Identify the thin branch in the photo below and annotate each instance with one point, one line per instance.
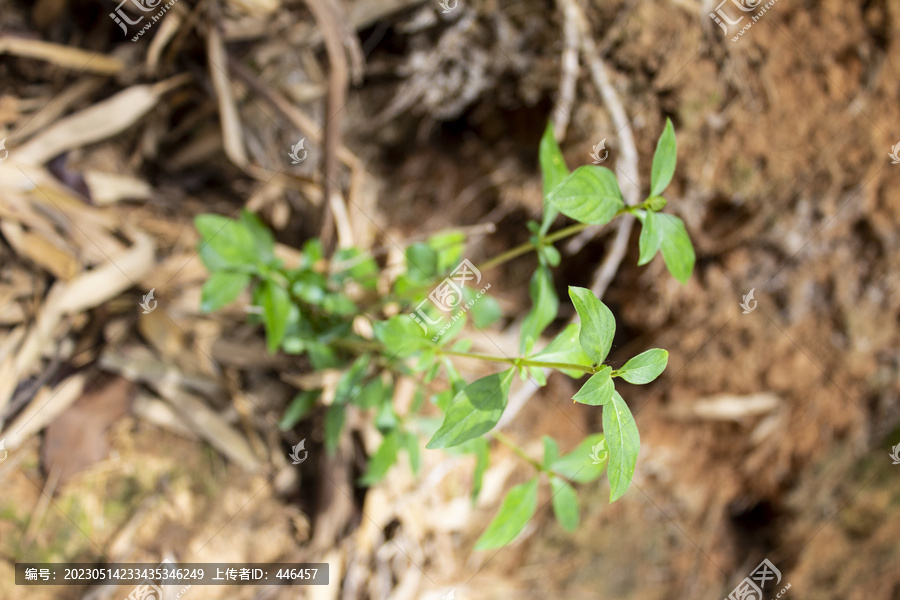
(562, 112)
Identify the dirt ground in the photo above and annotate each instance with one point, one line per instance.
(768, 436)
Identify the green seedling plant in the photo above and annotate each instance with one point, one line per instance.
(331, 313)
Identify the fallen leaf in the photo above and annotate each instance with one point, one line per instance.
(77, 438)
(61, 56)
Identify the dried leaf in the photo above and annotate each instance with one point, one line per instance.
(104, 283)
(77, 438)
(58, 261)
(108, 188)
(61, 56)
(97, 122)
(228, 113)
(44, 408)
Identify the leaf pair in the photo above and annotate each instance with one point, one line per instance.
(660, 231)
(582, 465)
(234, 251)
(642, 369)
(598, 328)
(591, 195)
(666, 233)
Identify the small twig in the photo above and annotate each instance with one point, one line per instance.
(628, 165)
(562, 112)
(329, 21)
(298, 119)
(40, 509)
(25, 394)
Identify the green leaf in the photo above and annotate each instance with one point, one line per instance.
(565, 503)
(226, 244)
(373, 394)
(334, 423)
(553, 171)
(298, 408)
(401, 335)
(338, 304)
(349, 385)
(676, 247)
(624, 445)
(263, 242)
(645, 367)
(276, 304)
(585, 463)
(553, 165)
(597, 390)
(312, 253)
(551, 451)
(457, 383)
(448, 246)
(544, 304)
(309, 287)
(650, 237)
(421, 262)
(386, 419)
(565, 349)
(482, 458)
(656, 203)
(517, 509)
(410, 442)
(551, 255)
(537, 375)
(363, 269)
(598, 326)
(453, 328)
(590, 195)
(382, 460)
(663, 160)
(322, 357)
(474, 410)
(484, 311)
(221, 289)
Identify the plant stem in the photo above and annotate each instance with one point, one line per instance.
(503, 439)
(520, 452)
(517, 362)
(528, 246)
(501, 258)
